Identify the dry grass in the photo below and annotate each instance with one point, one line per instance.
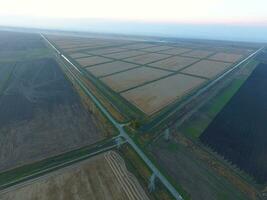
(174, 63)
(109, 68)
(152, 97)
(207, 68)
(132, 78)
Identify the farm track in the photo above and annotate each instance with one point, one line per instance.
(128, 182)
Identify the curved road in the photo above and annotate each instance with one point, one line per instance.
(119, 126)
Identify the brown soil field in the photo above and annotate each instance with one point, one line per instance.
(125, 54)
(76, 49)
(198, 53)
(157, 48)
(48, 134)
(131, 78)
(78, 55)
(41, 115)
(174, 63)
(93, 60)
(146, 58)
(106, 51)
(176, 51)
(138, 46)
(154, 96)
(73, 46)
(192, 173)
(207, 68)
(109, 68)
(101, 177)
(226, 57)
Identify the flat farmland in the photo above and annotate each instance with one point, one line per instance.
(125, 54)
(138, 46)
(104, 176)
(78, 55)
(176, 51)
(154, 96)
(109, 68)
(157, 48)
(146, 58)
(91, 60)
(238, 132)
(207, 68)
(105, 51)
(226, 57)
(204, 60)
(39, 114)
(73, 46)
(178, 160)
(198, 53)
(73, 50)
(174, 63)
(132, 78)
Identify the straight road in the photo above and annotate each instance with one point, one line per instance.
(156, 122)
(119, 126)
(100, 148)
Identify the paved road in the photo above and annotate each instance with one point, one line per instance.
(119, 126)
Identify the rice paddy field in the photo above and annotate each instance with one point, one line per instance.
(150, 76)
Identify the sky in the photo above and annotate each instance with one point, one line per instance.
(161, 15)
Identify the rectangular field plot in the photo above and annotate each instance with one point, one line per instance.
(174, 63)
(93, 60)
(104, 176)
(131, 78)
(105, 51)
(157, 48)
(207, 68)
(146, 58)
(226, 57)
(109, 68)
(198, 53)
(238, 132)
(125, 54)
(138, 46)
(42, 118)
(154, 96)
(82, 48)
(78, 55)
(73, 46)
(175, 51)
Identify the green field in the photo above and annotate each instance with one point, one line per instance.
(200, 120)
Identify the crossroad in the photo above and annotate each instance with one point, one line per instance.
(117, 125)
(120, 127)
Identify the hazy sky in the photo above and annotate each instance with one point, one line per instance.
(244, 20)
(185, 11)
